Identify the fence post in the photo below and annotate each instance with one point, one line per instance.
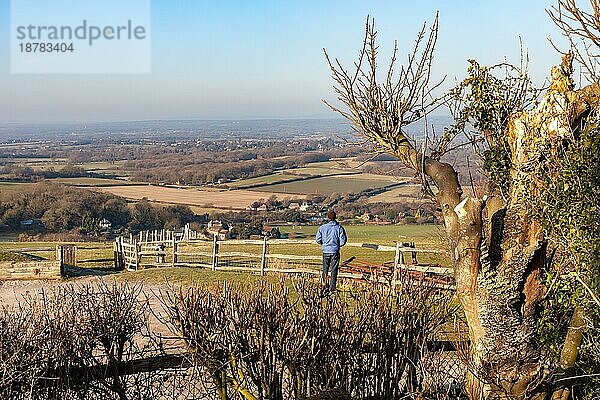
(174, 251)
(137, 254)
(263, 261)
(59, 258)
(396, 263)
(116, 252)
(215, 252)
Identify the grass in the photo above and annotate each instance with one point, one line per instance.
(188, 276)
(427, 235)
(329, 184)
(12, 257)
(424, 237)
(85, 251)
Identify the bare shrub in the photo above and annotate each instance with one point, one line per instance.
(271, 342)
(75, 342)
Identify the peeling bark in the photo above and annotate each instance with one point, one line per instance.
(499, 250)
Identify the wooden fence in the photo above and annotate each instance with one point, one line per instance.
(164, 249)
(66, 262)
(66, 255)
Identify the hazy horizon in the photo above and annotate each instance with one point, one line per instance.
(264, 60)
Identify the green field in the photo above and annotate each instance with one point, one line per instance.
(261, 180)
(409, 192)
(426, 235)
(188, 276)
(47, 251)
(329, 184)
(290, 174)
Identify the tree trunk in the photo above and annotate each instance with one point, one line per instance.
(498, 252)
(570, 350)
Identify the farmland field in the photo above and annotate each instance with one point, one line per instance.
(408, 192)
(12, 186)
(291, 174)
(229, 199)
(262, 180)
(92, 182)
(331, 184)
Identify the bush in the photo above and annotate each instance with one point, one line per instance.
(270, 343)
(68, 342)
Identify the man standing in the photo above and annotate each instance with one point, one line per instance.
(331, 237)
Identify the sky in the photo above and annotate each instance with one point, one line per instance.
(239, 59)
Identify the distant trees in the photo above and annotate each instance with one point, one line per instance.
(292, 216)
(246, 230)
(61, 209)
(15, 172)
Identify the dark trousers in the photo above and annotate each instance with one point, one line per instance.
(331, 262)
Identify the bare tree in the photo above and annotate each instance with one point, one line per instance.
(497, 246)
(581, 27)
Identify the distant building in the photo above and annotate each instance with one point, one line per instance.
(294, 206)
(366, 217)
(105, 225)
(369, 219)
(305, 207)
(257, 207)
(220, 230)
(271, 231)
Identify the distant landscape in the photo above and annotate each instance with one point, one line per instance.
(243, 171)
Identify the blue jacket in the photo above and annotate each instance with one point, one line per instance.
(331, 237)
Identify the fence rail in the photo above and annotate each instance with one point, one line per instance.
(190, 249)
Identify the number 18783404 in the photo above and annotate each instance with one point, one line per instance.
(46, 47)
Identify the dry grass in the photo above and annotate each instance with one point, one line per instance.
(231, 199)
(92, 182)
(12, 186)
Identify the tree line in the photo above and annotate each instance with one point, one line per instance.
(58, 208)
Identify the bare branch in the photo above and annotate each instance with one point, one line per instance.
(380, 111)
(581, 27)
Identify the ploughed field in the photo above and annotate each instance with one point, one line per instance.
(225, 199)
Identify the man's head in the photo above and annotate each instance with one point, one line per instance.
(331, 215)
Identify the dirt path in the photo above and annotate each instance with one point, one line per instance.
(13, 292)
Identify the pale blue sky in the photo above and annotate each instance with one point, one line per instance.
(247, 59)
